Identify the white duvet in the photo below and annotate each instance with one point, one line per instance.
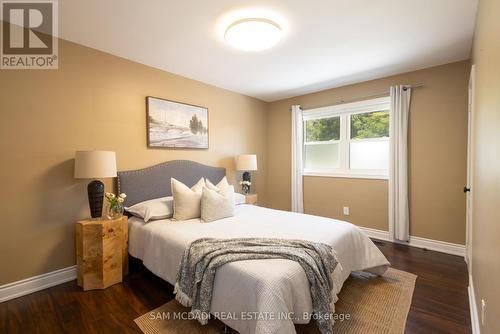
(257, 296)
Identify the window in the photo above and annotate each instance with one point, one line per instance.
(349, 140)
(322, 141)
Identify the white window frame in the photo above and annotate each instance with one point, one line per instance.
(345, 111)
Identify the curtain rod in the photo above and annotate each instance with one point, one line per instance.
(363, 97)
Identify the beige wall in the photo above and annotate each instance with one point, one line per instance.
(437, 142)
(94, 101)
(327, 197)
(486, 186)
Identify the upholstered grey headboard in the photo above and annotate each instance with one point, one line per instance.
(154, 182)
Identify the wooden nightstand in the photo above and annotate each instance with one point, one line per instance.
(251, 199)
(101, 252)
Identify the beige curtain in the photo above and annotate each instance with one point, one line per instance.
(297, 142)
(399, 220)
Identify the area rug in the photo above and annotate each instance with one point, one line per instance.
(366, 305)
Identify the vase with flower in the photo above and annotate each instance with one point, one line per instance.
(245, 186)
(115, 205)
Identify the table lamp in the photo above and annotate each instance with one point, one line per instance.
(95, 165)
(246, 163)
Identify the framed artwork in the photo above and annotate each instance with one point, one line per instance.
(173, 124)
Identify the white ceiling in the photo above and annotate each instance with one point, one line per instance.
(328, 43)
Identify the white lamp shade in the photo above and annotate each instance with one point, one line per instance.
(246, 162)
(95, 164)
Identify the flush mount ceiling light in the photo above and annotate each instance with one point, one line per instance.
(253, 34)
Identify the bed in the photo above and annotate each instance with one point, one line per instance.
(257, 296)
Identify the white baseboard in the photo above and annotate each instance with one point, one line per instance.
(474, 318)
(36, 283)
(376, 234)
(435, 245)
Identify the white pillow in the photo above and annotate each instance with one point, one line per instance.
(217, 205)
(223, 184)
(158, 208)
(239, 199)
(186, 201)
(198, 187)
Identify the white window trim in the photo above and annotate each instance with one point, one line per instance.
(344, 111)
(359, 107)
(358, 174)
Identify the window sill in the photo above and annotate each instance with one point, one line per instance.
(347, 175)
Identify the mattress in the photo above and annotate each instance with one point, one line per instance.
(257, 296)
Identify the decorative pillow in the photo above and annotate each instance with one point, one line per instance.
(217, 205)
(223, 184)
(158, 208)
(198, 187)
(186, 201)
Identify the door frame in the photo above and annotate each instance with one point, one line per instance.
(470, 168)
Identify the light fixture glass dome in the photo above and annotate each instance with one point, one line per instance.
(253, 34)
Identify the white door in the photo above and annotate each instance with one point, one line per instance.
(469, 189)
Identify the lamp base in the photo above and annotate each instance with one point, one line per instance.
(246, 176)
(95, 190)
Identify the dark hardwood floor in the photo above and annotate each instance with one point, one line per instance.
(440, 301)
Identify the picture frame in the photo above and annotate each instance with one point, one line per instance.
(176, 125)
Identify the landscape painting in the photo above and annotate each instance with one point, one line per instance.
(176, 125)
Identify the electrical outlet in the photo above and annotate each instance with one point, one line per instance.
(346, 211)
(483, 311)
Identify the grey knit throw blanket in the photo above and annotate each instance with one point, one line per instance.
(201, 259)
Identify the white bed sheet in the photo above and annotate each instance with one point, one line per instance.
(274, 288)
